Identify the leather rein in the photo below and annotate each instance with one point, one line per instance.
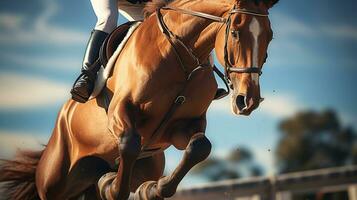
(228, 67)
(175, 41)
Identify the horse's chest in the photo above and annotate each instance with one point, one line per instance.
(198, 96)
(159, 107)
(196, 93)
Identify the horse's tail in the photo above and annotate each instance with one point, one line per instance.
(18, 176)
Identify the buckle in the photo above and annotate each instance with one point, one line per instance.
(180, 100)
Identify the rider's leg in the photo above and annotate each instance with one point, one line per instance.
(107, 15)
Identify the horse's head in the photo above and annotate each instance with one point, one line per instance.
(241, 46)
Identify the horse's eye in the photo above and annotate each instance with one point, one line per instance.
(235, 34)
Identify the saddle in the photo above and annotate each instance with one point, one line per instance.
(112, 42)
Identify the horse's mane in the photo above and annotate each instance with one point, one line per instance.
(152, 6)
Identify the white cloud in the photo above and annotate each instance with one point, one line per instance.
(290, 46)
(339, 31)
(19, 91)
(222, 105)
(266, 158)
(46, 62)
(10, 21)
(15, 32)
(287, 26)
(11, 141)
(288, 34)
(280, 105)
(348, 119)
(274, 105)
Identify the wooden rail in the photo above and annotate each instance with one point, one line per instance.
(280, 187)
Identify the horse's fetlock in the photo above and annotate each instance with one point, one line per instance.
(165, 189)
(105, 185)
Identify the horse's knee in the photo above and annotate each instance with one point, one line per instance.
(198, 148)
(129, 145)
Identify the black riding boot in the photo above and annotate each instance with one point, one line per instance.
(84, 85)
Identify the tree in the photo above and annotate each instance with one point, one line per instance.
(313, 140)
(238, 163)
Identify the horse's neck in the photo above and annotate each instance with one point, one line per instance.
(197, 33)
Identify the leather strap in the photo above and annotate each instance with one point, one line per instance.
(169, 35)
(245, 70)
(223, 78)
(248, 12)
(180, 98)
(197, 14)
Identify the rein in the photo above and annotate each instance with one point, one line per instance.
(174, 40)
(228, 67)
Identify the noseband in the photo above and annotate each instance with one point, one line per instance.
(228, 67)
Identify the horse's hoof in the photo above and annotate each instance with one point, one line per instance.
(147, 191)
(104, 184)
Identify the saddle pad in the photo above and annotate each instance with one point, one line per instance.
(103, 73)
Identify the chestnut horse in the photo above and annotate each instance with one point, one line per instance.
(162, 87)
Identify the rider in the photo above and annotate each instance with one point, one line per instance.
(107, 17)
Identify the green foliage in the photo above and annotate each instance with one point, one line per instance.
(313, 140)
(238, 163)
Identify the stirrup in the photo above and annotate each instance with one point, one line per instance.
(91, 77)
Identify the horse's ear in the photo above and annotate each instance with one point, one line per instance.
(271, 3)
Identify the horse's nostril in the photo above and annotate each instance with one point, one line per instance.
(241, 103)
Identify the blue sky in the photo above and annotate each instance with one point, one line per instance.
(312, 65)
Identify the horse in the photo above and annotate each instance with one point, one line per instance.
(161, 86)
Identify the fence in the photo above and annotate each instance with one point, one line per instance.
(280, 187)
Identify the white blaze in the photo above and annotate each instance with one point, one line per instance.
(254, 28)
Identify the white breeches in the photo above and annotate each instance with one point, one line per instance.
(107, 13)
(132, 12)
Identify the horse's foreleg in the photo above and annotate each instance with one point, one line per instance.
(122, 123)
(117, 185)
(196, 151)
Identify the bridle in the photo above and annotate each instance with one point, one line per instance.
(228, 67)
(176, 42)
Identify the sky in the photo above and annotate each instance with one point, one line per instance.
(312, 65)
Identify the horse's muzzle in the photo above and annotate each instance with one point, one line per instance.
(245, 105)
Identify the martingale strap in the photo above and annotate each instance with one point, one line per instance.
(180, 98)
(174, 40)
